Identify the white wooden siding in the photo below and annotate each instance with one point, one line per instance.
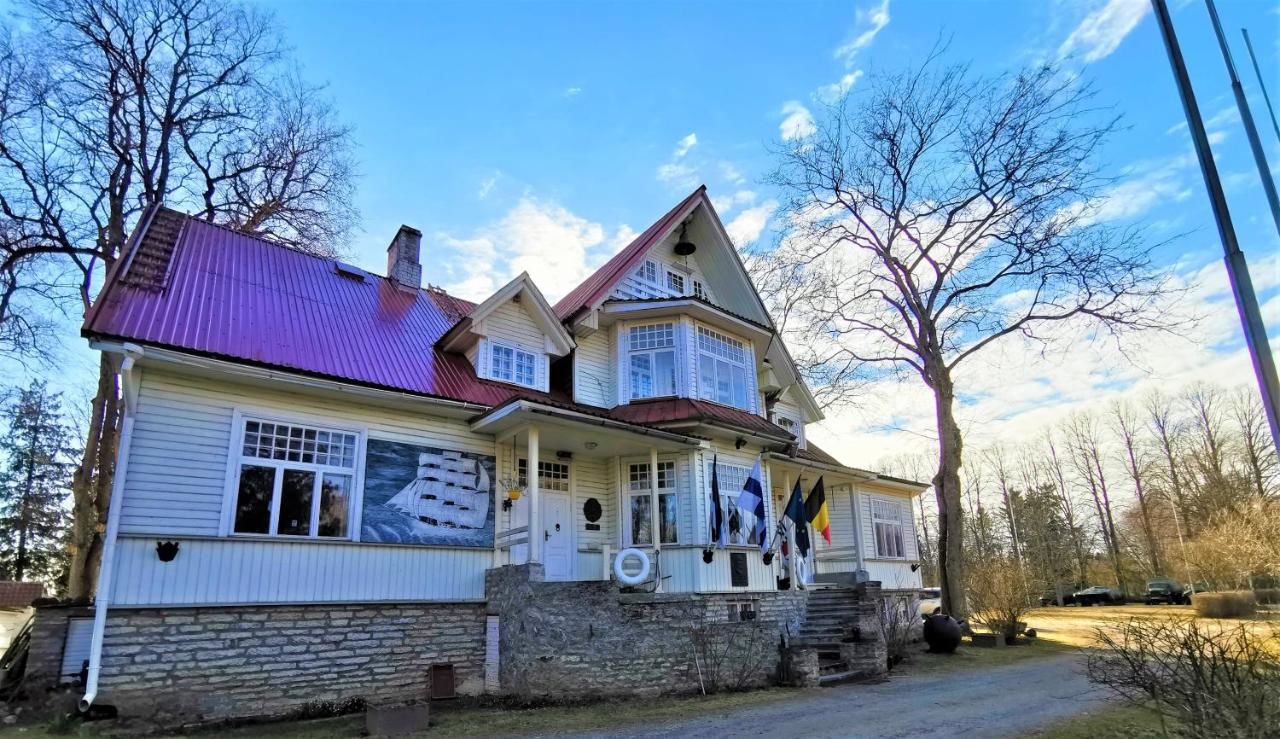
(178, 460)
(593, 371)
(630, 286)
(511, 324)
(785, 407)
(684, 571)
(227, 571)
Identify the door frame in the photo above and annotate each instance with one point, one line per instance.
(573, 533)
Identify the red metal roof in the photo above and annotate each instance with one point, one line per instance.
(595, 287)
(234, 296)
(670, 410)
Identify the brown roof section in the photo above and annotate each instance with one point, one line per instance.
(148, 264)
(19, 594)
(673, 410)
(598, 284)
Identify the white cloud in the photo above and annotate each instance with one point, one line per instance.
(678, 175)
(573, 92)
(725, 203)
(731, 173)
(487, 184)
(797, 122)
(684, 145)
(833, 92)
(1102, 31)
(750, 223)
(556, 247)
(869, 21)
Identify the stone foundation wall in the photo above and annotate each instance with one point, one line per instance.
(586, 639)
(182, 665)
(48, 637)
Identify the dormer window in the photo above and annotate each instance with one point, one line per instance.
(722, 368)
(653, 360)
(675, 283)
(700, 292)
(648, 272)
(509, 364)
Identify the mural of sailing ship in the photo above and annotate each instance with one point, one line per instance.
(423, 495)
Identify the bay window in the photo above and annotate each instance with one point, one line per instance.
(722, 369)
(739, 523)
(294, 480)
(887, 520)
(652, 360)
(639, 528)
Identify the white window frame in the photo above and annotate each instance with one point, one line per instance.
(648, 272)
(890, 521)
(671, 490)
(236, 458)
(516, 352)
(729, 489)
(782, 417)
(716, 358)
(652, 353)
(553, 476)
(673, 277)
(699, 290)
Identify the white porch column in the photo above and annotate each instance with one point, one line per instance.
(791, 534)
(654, 518)
(535, 509)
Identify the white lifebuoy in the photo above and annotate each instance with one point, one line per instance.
(622, 576)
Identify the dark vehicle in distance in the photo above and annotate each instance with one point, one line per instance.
(1050, 598)
(1099, 596)
(1164, 590)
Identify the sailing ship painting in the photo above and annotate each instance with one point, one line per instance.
(426, 495)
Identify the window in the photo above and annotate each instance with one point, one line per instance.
(653, 360)
(294, 480)
(552, 476)
(700, 292)
(886, 518)
(648, 272)
(741, 610)
(675, 283)
(639, 502)
(513, 365)
(786, 424)
(741, 524)
(722, 368)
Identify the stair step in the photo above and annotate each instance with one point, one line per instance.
(832, 678)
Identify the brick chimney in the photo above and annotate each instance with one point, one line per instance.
(404, 263)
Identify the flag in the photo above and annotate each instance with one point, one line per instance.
(816, 507)
(752, 499)
(795, 511)
(718, 533)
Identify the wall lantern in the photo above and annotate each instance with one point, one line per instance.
(166, 550)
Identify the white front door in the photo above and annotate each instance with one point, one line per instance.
(557, 537)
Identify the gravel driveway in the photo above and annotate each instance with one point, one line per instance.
(990, 701)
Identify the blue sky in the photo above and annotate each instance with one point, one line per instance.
(540, 136)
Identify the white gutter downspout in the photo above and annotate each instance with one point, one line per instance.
(128, 387)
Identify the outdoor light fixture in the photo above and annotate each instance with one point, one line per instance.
(591, 445)
(739, 442)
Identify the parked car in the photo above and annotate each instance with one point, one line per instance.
(1050, 598)
(1164, 590)
(1099, 596)
(930, 600)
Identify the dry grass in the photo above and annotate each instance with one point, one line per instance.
(1111, 721)
(1075, 626)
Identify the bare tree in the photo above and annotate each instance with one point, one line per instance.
(1087, 456)
(111, 107)
(1126, 426)
(1168, 431)
(1066, 503)
(945, 212)
(1256, 445)
(1000, 466)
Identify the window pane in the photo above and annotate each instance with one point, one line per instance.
(253, 499)
(641, 376)
(724, 386)
(640, 520)
(739, 379)
(664, 373)
(668, 510)
(501, 360)
(335, 497)
(524, 368)
(707, 377)
(296, 492)
(638, 477)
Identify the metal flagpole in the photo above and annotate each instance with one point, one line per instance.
(1255, 333)
(1261, 85)
(1242, 102)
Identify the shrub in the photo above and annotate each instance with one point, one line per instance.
(1212, 681)
(999, 595)
(1231, 604)
(1269, 596)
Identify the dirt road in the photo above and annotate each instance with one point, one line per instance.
(1004, 700)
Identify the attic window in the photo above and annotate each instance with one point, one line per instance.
(648, 272)
(699, 291)
(675, 283)
(509, 364)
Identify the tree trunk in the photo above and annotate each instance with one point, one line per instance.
(946, 486)
(91, 485)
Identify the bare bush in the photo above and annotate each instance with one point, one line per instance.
(999, 594)
(1212, 682)
(899, 625)
(1231, 604)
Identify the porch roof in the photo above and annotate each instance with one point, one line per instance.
(579, 429)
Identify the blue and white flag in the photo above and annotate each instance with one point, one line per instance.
(752, 499)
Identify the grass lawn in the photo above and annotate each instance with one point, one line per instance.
(1112, 721)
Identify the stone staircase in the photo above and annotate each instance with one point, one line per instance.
(841, 626)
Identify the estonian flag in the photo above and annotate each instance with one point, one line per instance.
(752, 499)
(718, 533)
(795, 512)
(816, 507)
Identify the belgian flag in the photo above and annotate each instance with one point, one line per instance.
(816, 507)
